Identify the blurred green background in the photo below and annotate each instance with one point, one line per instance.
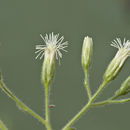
(21, 22)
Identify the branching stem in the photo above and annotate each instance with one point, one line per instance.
(21, 105)
(110, 102)
(86, 107)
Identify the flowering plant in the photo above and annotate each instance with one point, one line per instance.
(52, 51)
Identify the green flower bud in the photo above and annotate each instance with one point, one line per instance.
(87, 50)
(125, 88)
(50, 51)
(118, 61)
(48, 67)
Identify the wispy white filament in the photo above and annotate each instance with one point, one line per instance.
(119, 45)
(53, 43)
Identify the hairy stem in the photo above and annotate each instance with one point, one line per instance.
(86, 107)
(86, 83)
(21, 105)
(47, 113)
(2, 126)
(110, 102)
(114, 97)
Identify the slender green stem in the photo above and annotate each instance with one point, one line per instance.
(110, 102)
(48, 126)
(47, 112)
(86, 82)
(20, 104)
(115, 97)
(86, 107)
(47, 103)
(2, 126)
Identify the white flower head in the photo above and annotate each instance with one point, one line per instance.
(120, 58)
(122, 47)
(52, 44)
